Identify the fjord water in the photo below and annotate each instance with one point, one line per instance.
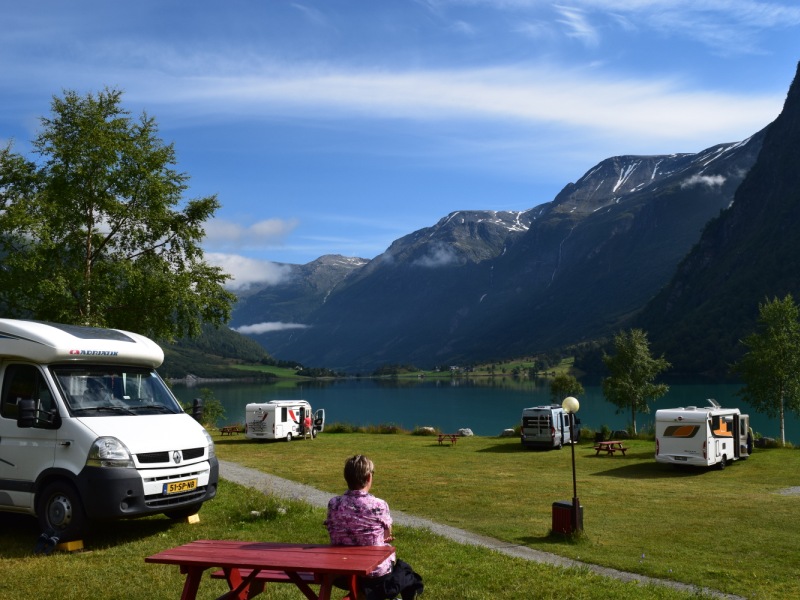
(487, 406)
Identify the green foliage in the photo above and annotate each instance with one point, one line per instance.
(316, 372)
(383, 428)
(633, 370)
(393, 370)
(770, 369)
(91, 233)
(563, 385)
(213, 411)
(214, 354)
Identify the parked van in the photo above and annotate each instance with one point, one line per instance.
(702, 436)
(88, 430)
(547, 427)
(281, 420)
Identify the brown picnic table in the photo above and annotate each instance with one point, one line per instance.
(448, 437)
(610, 448)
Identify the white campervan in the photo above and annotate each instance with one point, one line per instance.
(702, 436)
(88, 430)
(281, 420)
(547, 427)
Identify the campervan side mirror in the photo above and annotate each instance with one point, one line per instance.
(31, 415)
(26, 417)
(197, 410)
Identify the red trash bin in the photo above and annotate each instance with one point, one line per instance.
(562, 517)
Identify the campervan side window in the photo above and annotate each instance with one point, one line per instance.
(722, 426)
(681, 431)
(24, 382)
(284, 414)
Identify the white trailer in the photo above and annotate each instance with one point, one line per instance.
(89, 431)
(281, 420)
(702, 436)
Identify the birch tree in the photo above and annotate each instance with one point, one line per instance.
(770, 367)
(633, 370)
(94, 228)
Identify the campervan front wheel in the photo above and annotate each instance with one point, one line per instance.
(722, 463)
(60, 510)
(289, 437)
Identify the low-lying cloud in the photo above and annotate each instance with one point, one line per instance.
(711, 181)
(268, 327)
(439, 256)
(246, 272)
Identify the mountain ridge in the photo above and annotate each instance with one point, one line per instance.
(602, 255)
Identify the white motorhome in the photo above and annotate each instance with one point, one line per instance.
(547, 427)
(89, 431)
(281, 420)
(702, 436)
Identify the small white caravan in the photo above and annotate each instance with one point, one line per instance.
(702, 436)
(89, 431)
(547, 427)
(281, 420)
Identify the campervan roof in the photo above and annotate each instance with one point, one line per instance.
(51, 342)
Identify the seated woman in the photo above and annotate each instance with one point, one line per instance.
(357, 518)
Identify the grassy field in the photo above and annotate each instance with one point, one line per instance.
(726, 530)
(112, 565)
(729, 530)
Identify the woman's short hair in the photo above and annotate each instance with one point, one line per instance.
(357, 470)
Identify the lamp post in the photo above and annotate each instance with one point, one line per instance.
(571, 406)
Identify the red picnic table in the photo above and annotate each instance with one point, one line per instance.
(248, 566)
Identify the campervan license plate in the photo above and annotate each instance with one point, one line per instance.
(178, 487)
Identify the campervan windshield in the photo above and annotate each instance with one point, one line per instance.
(92, 390)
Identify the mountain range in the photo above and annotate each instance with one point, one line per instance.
(684, 245)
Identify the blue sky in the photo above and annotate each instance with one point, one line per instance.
(336, 127)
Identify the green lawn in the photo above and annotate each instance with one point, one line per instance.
(722, 529)
(729, 530)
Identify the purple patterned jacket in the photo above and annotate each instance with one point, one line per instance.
(357, 518)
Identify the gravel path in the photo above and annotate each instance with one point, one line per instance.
(283, 488)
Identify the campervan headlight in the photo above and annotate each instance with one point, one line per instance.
(211, 452)
(109, 452)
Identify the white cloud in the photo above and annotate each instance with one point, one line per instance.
(439, 256)
(258, 328)
(656, 109)
(707, 180)
(246, 272)
(578, 25)
(262, 234)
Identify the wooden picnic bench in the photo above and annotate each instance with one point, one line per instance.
(248, 566)
(229, 430)
(610, 447)
(448, 437)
